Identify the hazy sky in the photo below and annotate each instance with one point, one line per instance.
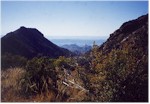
(59, 19)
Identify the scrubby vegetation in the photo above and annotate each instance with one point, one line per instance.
(117, 76)
(40, 76)
(44, 79)
(11, 61)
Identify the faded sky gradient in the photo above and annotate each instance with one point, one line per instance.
(59, 19)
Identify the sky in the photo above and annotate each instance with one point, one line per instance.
(70, 19)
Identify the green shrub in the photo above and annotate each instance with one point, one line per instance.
(40, 76)
(11, 61)
(121, 75)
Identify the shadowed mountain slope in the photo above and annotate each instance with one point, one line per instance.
(132, 34)
(30, 42)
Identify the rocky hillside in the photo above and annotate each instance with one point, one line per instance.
(122, 62)
(132, 34)
(30, 42)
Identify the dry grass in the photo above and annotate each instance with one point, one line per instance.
(10, 77)
(10, 88)
(9, 84)
(76, 95)
(44, 97)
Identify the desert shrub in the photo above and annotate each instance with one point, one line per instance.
(64, 63)
(40, 76)
(61, 61)
(128, 75)
(99, 88)
(121, 75)
(133, 85)
(11, 61)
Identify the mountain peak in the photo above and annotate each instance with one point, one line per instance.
(22, 27)
(28, 32)
(29, 42)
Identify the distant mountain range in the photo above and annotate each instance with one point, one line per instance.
(80, 42)
(29, 42)
(77, 49)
